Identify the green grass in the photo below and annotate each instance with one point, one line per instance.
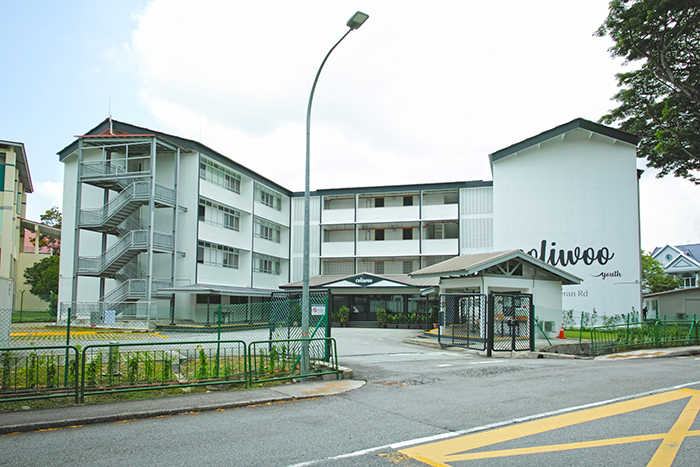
(574, 334)
(32, 316)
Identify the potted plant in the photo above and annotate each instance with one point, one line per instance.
(434, 316)
(402, 319)
(335, 319)
(344, 315)
(391, 321)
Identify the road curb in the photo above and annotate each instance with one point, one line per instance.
(111, 418)
(316, 389)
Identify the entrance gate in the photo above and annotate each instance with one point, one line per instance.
(497, 322)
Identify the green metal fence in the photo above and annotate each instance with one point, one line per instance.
(68, 371)
(38, 372)
(280, 359)
(110, 368)
(135, 346)
(650, 334)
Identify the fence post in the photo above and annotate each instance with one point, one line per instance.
(65, 375)
(627, 333)
(491, 324)
(328, 329)
(218, 342)
(531, 319)
(580, 328)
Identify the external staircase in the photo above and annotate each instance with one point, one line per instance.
(119, 217)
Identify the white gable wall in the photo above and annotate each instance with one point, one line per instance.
(578, 193)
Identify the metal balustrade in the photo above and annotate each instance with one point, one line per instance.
(112, 260)
(100, 169)
(129, 290)
(162, 241)
(117, 209)
(133, 289)
(164, 194)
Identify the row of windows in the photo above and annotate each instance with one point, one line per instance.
(407, 201)
(267, 230)
(268, 197)
(219, 175)
(224, 256)
(407, 234)
(216, 214)
(378, 265)
(266, 264)
(217, 255)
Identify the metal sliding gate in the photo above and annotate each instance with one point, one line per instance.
(512, 321)
(463, 320)
(497, 322)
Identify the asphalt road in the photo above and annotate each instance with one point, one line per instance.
(415, 393)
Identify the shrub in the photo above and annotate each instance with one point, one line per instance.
(382, 317)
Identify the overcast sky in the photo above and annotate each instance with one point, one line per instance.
(422, 92)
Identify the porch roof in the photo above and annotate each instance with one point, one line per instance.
(473, 264)
(221, 289)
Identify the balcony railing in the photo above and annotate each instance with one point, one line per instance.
(101, 169)
(164, 194)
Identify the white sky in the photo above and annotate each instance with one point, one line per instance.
(422, 92)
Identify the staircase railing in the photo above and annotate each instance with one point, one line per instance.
(136, 190)
(97, 264)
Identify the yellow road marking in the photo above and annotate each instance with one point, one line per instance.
(455, 449)
(672, 441)
(94, 334)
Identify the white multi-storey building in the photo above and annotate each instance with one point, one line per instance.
(153, 217)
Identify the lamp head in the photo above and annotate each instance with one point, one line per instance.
(357, 19)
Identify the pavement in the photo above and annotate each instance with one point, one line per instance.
(43, 419)
(33, 420)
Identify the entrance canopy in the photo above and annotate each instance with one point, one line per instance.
(221, 290)
(369, 283)
(514, 263)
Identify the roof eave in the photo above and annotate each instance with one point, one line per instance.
(575, 124)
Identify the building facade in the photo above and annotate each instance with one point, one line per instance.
(16, 184)
(152, 217)
(681, 261)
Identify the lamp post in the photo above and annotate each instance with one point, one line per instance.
(353, 23)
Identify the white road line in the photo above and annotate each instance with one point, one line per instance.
(430, 439)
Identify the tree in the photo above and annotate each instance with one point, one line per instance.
(53, 218)
(43, 281)
(660, 101)
(654, 279)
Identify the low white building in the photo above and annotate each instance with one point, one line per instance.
(190, 225)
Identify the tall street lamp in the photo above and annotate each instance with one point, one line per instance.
(353, 23)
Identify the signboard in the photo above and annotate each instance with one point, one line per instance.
(363, 280)
(110, 316)
(318, 310)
